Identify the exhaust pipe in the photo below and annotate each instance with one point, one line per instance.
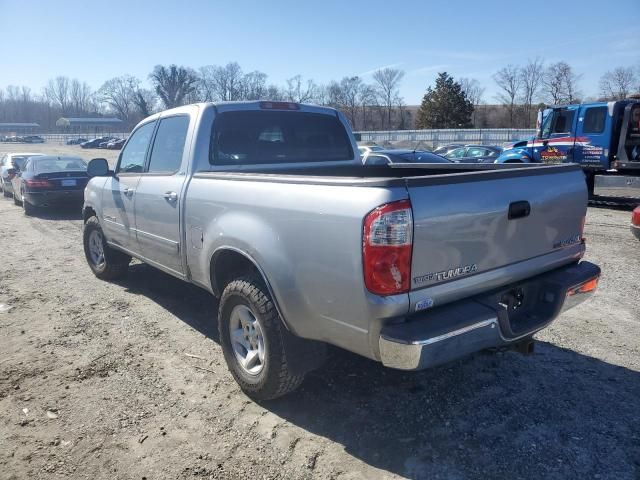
(525, 347)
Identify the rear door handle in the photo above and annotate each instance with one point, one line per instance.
(519, 209)
(171, 196)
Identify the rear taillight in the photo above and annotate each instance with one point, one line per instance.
(34, 183)
(635, 217)
(387, 248)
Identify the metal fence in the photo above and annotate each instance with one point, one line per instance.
(488, 136)
(62, 138)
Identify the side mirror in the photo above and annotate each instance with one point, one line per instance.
(98, 167)
(377, 160)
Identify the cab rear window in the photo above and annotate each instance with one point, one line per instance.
(261, 137)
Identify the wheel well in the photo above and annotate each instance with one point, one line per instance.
(227, 265)
(87, 213)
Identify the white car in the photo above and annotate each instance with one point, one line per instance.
(8, 162)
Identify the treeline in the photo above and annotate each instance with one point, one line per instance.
(375, 105)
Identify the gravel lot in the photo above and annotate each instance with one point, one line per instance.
(127, 381)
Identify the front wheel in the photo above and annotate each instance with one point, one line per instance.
(105, 262)
(252, 338)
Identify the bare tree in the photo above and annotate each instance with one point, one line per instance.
(509, 81)
(299, 91)
(119, 94)
(474, 92)
(57, 92)
(366, 98)
(531, 75)
(145, 102)
(254, 86)
(173, 84)
(80, 96)
(617, 84)
(560, 83)
(350, 88)
(387, 82)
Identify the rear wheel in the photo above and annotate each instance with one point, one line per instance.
(105, 262)
(29, 209)
(252, 338)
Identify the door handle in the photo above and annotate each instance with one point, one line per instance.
(171, 196)
(128, 191)
(519, 209)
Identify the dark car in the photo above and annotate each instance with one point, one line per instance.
(447, 148)
(116, 144)
(474, 154)
(94, 143)
(76, 141)
(388, 157)
(33, 139)
(49, 181)
(635, 222)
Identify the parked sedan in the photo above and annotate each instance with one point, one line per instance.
(116, 144)
(33, 139)
(94, 143)
(76, 141)
(389, 157)
(364, 149)
(48, 181)
(474, 154)
(12, 161)
(447, 148)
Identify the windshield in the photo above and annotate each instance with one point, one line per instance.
(58, 165)
(259, 137)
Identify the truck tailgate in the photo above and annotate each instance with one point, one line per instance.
(471, 223)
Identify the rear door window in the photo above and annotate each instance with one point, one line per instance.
(261, 137)
(168, 145)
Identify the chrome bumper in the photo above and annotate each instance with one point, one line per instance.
(456, 330)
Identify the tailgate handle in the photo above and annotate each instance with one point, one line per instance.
(519, 209)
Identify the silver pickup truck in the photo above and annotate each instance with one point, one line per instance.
(267, 206)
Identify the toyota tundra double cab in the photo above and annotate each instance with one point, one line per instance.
(268, 206)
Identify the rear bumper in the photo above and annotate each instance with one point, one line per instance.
(617, 186)
(61, 197)
(456, 330)
(635, 229)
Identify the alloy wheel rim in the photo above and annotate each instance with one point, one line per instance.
(96, 249)
(247, 340)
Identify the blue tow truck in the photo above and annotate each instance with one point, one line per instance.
(603, 137)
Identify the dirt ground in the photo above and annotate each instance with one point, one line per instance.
(127, 381)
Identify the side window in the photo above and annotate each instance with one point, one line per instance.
(594, 119)
(134, 153)
(476, 152)
(168, 146)
(564, 121)
(457, 153)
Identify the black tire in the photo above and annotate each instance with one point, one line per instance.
(29, 210)
(5, 193)
(276, 377)
(115, 263)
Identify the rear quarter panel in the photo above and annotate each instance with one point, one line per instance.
(308, 241)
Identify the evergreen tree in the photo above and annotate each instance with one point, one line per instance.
(445, 106)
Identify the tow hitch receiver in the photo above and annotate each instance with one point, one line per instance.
(525, 347)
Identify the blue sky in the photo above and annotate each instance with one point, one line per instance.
(323, 40)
